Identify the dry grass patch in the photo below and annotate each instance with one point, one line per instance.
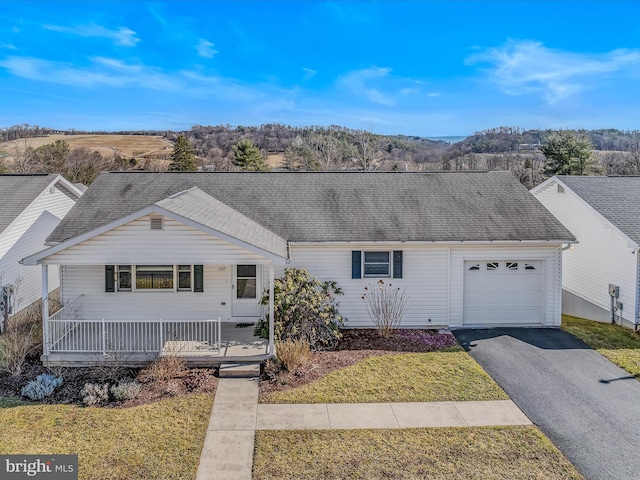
(410, 377)
(439, 453)
(160, 440)
(128, 145)
(620, 345)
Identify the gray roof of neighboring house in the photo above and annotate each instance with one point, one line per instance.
(337, 206)
(196, 205)
(17, 192)
(615, 198)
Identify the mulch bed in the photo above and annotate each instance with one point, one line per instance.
(197, 380)
(355, 345)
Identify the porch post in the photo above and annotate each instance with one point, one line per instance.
(272, 282)
(45, 308)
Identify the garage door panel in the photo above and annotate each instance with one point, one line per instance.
(503, 292)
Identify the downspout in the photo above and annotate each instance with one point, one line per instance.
(637, 316)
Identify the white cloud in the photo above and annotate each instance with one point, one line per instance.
(528, 67)
(205, 48)
(358, 81)
(309, 73)
(121, 36)
(102, 72)
(7, 46)
(117, 64)
(378, 85)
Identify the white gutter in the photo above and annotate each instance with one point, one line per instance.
(438, 242)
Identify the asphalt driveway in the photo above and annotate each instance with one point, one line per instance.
(588, 407)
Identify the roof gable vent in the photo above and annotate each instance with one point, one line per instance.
(157, 223)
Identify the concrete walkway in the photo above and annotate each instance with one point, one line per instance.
(228, 447)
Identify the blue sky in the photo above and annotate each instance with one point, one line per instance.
(423, 68)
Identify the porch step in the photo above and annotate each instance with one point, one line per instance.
(239, 370)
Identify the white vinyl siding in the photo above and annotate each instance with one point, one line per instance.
(25, 237)
(601, 257)
(136, 243)
(432, 275)
(98, 304)
(424, 277)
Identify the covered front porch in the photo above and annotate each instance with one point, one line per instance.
(183, 276)
(201, 343)
(207, 317)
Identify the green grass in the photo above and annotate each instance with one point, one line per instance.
(410, 377)
(439, 453)
(161, 440)
(8, 402)
(618, 344)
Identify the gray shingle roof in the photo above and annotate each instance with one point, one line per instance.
(615, 198)
(17, 192)
(196, 205)
(337, 206)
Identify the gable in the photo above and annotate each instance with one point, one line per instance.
(615, 198)
(135, 242)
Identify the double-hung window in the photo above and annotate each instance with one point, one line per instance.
(124, 278)
(377, 264)
(184, 278)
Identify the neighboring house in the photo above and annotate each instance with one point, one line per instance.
(139, 249)
(604, 214)
(31, 206)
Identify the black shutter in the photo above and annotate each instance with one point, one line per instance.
(397, 264)
(198, 278)
(109, 278)
(356, 264)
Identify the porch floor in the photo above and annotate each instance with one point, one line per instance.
(238, 345)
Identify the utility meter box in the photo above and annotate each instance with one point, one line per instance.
(614, 290)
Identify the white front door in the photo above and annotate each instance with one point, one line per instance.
(247, 291)
(503, 292)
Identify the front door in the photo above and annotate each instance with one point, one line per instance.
(247, 291)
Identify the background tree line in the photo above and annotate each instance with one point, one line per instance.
(532, 155)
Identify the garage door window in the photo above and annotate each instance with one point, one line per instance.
(501, 266)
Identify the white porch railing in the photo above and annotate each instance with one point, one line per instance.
(69, 332)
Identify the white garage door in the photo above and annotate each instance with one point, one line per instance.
(503, 292)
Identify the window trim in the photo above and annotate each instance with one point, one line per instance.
(118, 288)
(388, 263)
(176, 278)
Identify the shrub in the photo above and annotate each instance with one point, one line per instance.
(271, 368)
(163, 369)
(174, 388)
(41, 387)
(94, 394)
(304, 308)
(386, 306)
(22, 338)
(126, 389)
(293, 354)
(198, 380)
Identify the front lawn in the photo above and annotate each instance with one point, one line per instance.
(440, 453)
(160, 440)
(618, 344)
(409, 377)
